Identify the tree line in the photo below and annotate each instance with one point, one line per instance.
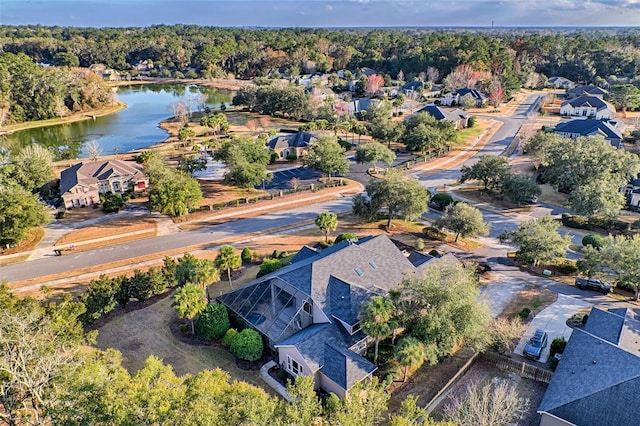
(30, 92)
(195, 51)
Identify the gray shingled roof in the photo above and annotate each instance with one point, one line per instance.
(474, 93)
(595, 383)
(92, 172)
(586, 90)
(344, 367)
(618, 326)
(442, 114)
(588, 101)
(304, 253)
(292, 140)
(590, 127)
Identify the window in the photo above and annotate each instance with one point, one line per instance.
(307, 308)
(293, 366)
(359, 272)
(373, 264)
(355, 328)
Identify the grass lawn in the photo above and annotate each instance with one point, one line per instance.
(144, 332)
(532, 297)
(110, 228)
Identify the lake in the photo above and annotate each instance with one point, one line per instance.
(132, 128)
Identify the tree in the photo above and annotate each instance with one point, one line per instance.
(496, 92)
(196, 271)
(20, 210)
(467, 101)
(400, 197)
(413, 415)
(426, 134)
(598, 198)
(441, 308)
(410, 353)
(191, 164)
(304, 407)
(364, 404)
(173, 192)
(346, 236)
(112, 203)
(463, 219)
(539, 241)
(327, 156)
(186, 133)
(372, 153)
(246, 160)
(385, 130)
(188, 302)
(488, 405)
(94, 150)
(326, 222)
(376, 320)
(213, 322)
(372, 84)
(442, 200)
(519, 188)
(33, 167)
(247, 345)
(625, 96)
(619, 257)
(489, 169)
(228, 260)
(505, 333)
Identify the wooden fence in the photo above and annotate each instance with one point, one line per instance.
(525, 370)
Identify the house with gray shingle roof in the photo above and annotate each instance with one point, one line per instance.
(309, 310)
(82, 183)
(632, 193)
(454, 97)
(560, 83)
(586, 90)
(292, 144)
(597, 381)
(588, 106)
(583, 128)
(458, 117)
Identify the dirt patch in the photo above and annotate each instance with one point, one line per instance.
(427, 381)
(481, 373)
(551, 196)
(147, 331)
(532, 297)
(33, 237)
(109, 228)
(81, 214)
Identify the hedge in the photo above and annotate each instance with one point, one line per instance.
(213, 322)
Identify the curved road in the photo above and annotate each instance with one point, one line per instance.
(213, 234)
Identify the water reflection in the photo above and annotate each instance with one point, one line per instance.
(134, 127)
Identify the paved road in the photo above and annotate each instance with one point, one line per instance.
(212, 234)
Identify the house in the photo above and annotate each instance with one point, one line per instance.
(632, 193)
(458, 117)
(308, 311)
(560, 83)
(597, 381)
(320, 93)
(453, 98)
(412, 88)
(588, 106)
(82, 183)
(586, 90)
(363, 104)
(292, 144)
(589, 127)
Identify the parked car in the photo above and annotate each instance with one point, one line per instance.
(593, 284)
(536, 344)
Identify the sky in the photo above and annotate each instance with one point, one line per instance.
(321, 13)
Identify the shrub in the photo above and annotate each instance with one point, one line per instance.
(435, 253)
(593, 240)
(557, 346)
(112, 203)
(213, 322)
(246, 255)
(292, 157)
(275, 254)
(553, 363)
(472, 121)
(61, 214)
(247, 345)
(419, 244)
(228, 337)
(576, 222)
(346, 236)
(273, 157)
(524, 314)
(441, 200)
(268, 266)
(585, 318)
(435, 233)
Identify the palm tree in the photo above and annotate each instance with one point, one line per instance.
(228, 260)
(410, 352)
(376, 320)
(189, 301)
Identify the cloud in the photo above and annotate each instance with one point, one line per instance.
(329, 8)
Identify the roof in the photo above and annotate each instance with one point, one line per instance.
(93, 172)
(412, 85)
(559, 81)
(590, 127)
(473, 92)
(587, 101)
(443, 114)
(597, 380)
(304, 253)
(588, 90)
(292, 140)
(595, 383)
(345, 367)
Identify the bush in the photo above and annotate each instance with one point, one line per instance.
(557, 346)
(112, 203)
(228, 337)
(471, 122)
(593, 240)
(275, 254)
(246, 255)
(524, 314)
(273, 157)
(585, 318)
(292, 157)
(419, 244)
(435, 253)
(268, 266)
(346, 236)
(576, 222)
(553, 363)
(441, 200)
(434, 233)
(61, 214)
(213, 322)
(247, 345)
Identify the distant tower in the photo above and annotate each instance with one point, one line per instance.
(492, 23)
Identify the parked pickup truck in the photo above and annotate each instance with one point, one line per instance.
(593, 284)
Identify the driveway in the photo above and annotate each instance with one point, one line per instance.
(553, 320)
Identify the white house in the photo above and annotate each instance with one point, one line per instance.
(588, 106)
